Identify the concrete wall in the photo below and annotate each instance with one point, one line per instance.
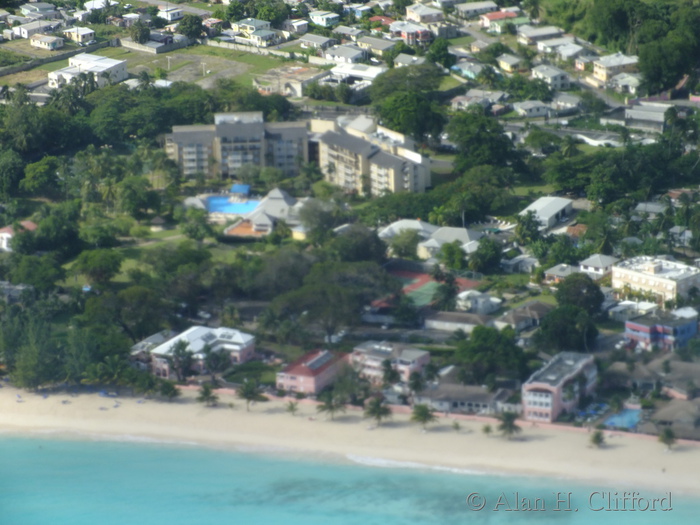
(130, 44)
(11, 70)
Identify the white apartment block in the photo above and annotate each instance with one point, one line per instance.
(104, 70)
(665, 279)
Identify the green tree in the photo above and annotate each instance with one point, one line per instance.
(190, 26)
(405, 243)
(139, 32)
(292, 407)
(423, 415)
(508, 426)
(416, 383)
(169, 390)
(207, 395)
(487, 257)
(35, 358)
(11, 168)
(567, 328)
(377, 410)
(580, 290)
(487, 430)
(41, 178)
(410, 79)
(452, 256)
(598, 439)
(667, 437)
(527, 229)
(413, 114)
(439, 53)
(40, 271)
(196, 225)
(99, 266)
(445, 296)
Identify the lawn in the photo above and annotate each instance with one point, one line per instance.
(203, 5)
(449, 82)
(543, 298)
(525, 189)
(461, 41)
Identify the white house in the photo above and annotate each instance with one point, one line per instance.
(552, 76)
(346, 54)
(531, 108)
(8, 232)
(598, 265)
(103, 69)
(171, 14)
(549, 210)
(93, 5)
(474, 9)
(324, 18)
(46, 42)
(79, 34)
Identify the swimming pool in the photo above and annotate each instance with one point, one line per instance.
(627, 418)
(221, 204)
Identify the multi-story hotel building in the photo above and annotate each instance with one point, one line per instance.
(368, 359)
(558, 386)
(667, 280)
(235, 140)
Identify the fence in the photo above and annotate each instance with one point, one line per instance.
(36, 62)
(130, 44)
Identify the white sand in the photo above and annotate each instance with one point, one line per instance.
(627, 462)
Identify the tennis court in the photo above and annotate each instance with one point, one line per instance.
(421, 286)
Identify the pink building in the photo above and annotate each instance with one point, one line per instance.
(239, 346)
(558, 386)
(311, 373)
(369, 357)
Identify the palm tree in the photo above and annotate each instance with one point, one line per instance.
(508, 426)
(667, 437)
(597, 439)
(616, 404)
(215, 362)
(445, 296)
(180, 358)
(207, 395)
(416, 383)
(250, 392)
(389, 374)
(331, 405)
(144, 79)
(487, 429)
(377, 410)
(569, 146)
(169, 390)
(423, 415)
(292, 407)
(431, 371)
(533, 8)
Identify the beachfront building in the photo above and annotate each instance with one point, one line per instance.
(368, 359)
(558, 385)
(311, 373)
(664, 279)
(8, 232)
(103, 70)
(237, 345)
(236, 140)
(663, 330)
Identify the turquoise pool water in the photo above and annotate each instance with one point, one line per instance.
(65, 482)
(221, 204)
(627, 418)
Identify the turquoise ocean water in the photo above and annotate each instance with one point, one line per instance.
(64, 482)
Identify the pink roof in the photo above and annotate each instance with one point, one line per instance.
(301, 367)
(499, 15)
(27, 225)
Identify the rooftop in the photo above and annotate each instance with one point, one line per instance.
(198, 337)
(313, 363)
(672, 270)
(389, 350)
(616, 60)
(599, 260)
(560, 368)
(548, 71)
(547, 206)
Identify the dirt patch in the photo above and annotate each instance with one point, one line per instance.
(202, 70)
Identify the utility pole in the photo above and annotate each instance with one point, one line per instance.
(204, 72)
(169, 59)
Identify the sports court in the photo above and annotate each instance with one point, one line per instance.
(421, 286)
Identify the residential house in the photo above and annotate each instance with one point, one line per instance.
(46, 42)
(552, 44)
(558, 273)
(349, 33)
(604, 68)
(368, 359)
(33, 28)
(477, 46)
(582, 63)
(530, 35)
(520, 264)
(681, 416)
(96, 5)
(324, 18)
(212, 26)
(558, 386)
(501, 27)
(554, 77)
(258, 32)
(476, 302)
(647, 116)
(298, 27)
(238, 346)
(565, 103)
(572, 51)
(376, 46)
(650, 209)
(508, 63)
(453, 321)
(403, 60)
(531, 109)
(524, 317)
(171, 14)
(661, 278)
(104, 70)
(8, 232)
(625, 310)
(237, 139)
(448, 397)
(38, 8)
(81, 35)
(423, 14)
(424, 229)
(666, 331)
(385, 20)
(311, 373)
(467, 239)
(474, 9)
(486, 19)
(346, 54)
(358, 10)
(317, 41)
(411, 33)
(681, 235)
(598, 265)
(550, 210)
(468, 69)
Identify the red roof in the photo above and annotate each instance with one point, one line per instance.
(27, 225)
(313, 363)
(385, 20)
(499, 15)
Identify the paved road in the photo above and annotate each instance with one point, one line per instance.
(185, 8)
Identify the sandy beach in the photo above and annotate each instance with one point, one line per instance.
(627, 462)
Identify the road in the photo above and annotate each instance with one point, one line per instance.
(185, 8)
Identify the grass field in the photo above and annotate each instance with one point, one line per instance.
(448, 82)
(525, 189)
(461, 41)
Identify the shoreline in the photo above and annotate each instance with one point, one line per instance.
(625, 463)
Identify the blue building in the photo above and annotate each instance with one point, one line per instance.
(663, 330)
